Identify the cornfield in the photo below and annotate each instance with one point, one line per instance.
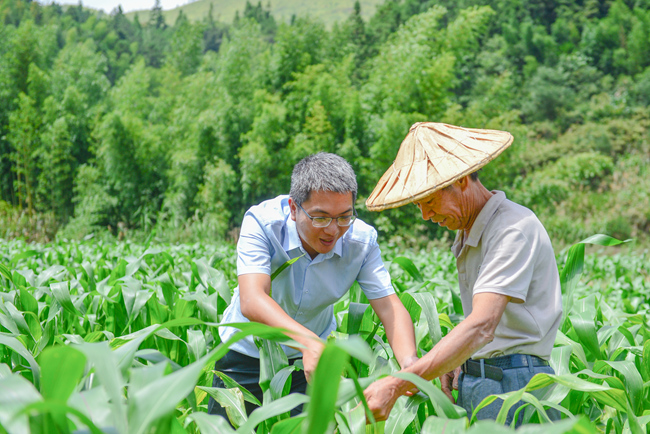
(122, 338)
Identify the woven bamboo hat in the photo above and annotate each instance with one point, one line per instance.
(433, 156)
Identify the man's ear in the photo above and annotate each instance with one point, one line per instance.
(463, 182)
(293, 208)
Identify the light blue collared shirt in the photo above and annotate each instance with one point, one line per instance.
(308, 289)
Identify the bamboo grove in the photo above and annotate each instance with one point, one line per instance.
(128, 126)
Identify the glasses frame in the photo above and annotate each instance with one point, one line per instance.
(352, 218)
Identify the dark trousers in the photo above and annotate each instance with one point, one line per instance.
(245, 370)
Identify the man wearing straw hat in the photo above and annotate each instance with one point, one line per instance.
(508, 278)
(316, 226)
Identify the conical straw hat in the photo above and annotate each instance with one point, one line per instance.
(433, 156)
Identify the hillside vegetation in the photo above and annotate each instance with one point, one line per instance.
(112, 125)
(327, 11)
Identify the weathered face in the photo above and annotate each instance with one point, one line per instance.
(321, 204)
(445, 207)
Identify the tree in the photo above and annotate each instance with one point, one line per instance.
(57, 169)
(24, 128)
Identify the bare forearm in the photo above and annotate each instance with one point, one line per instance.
(399, 328)
(458, 346)
(401, 338)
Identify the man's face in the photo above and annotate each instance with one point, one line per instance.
(321, 204)
(444, 207)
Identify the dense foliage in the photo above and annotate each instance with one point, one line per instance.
(143, 125)
(122, 338)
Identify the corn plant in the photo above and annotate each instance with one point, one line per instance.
(122, 338)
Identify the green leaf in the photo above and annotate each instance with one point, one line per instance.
(584, 325)
(323, 390)
(17, 318)
(457, 302)
(230, 384)
(209, 424)
(273, 409)
(19, 348)
(282, 267)
(6, 273)
(272, 360)
(196, 343)
(23, 255)
(646, 359)
(107, 371)
(28, 301)
(279, 386)
(61, 370)
(232, 401)
(353, 421)
(442, 404)
(61, 293)
(408, 266)
(355, 317)
(289, 426)
(403, 413)
(573, 267)
(16, 393)
(428, 304)
(411, 306)
(58, 408)
(438, 425)
(134, 298)
(357, 348)
(633, 383)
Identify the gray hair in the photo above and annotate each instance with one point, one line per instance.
(322, 172)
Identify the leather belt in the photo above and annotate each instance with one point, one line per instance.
(493, 368)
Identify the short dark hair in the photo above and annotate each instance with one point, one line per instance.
(322, 172)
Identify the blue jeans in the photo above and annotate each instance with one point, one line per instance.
(472, 390)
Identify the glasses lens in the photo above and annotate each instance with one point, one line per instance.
(321, 222)
(345, 220)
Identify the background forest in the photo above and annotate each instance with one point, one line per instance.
(109, 125)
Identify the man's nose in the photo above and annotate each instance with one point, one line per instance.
(426, 213)
(333, 228)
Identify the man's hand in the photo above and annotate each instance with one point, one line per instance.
(310, 357)
(448, 382)
(381, 396)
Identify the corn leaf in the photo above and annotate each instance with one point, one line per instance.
(408, 266)
(273, 409)
(209, 424)
(323, 390)
(19, 348)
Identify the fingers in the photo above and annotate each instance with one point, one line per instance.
(310, 357)
(447, 382)
(456, 376)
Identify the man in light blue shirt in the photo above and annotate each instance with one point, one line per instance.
(317, 223)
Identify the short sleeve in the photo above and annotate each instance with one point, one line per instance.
(253, 248)
(508, 265)
(373, 277)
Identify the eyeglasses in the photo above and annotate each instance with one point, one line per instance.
(323, 222)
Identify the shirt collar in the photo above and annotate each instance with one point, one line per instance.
(484, 217)
(292, 240)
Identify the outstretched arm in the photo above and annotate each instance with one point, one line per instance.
(465, 339)
(257, 305)
(399, 328)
